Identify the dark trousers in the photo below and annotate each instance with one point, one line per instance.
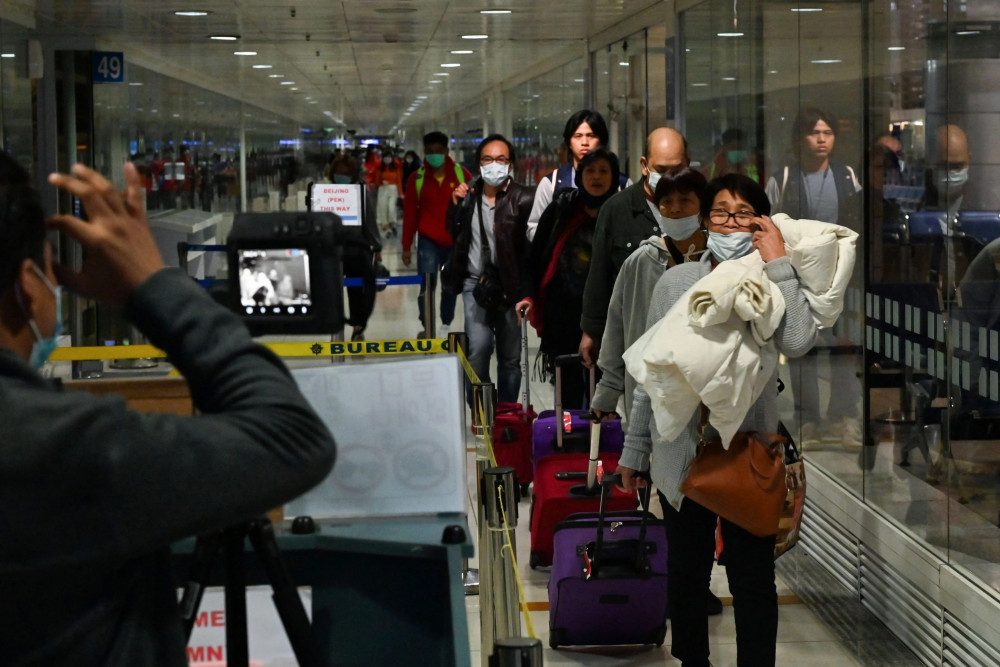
(357, 263)
(750, 569)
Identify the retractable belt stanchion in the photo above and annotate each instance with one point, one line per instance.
(500, 497)
(517, 652)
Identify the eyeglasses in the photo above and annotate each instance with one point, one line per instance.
(486, 159)
(720, 216)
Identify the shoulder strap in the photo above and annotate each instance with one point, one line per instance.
(674, 251)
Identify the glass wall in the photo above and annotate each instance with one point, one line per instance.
(891, 106)
(933, 307)
(539, 109)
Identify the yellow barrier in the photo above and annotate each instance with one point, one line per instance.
(290, 350)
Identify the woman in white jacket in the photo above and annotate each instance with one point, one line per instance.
(735, 211)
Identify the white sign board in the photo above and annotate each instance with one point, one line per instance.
(344, 200)
(400, 446)
(267, 641)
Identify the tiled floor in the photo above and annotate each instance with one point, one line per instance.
(819, 624)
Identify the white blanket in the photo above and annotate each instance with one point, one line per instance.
(823, 256)
(715, 344)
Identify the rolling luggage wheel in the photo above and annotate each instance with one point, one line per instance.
(555, 637)
(660, 636)
(535, 559)
(524, 490)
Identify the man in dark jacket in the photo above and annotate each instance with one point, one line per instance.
(94, 493)
(626, 220)
(496, 209)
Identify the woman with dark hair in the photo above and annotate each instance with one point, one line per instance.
(585, 131)
(735, 211)
(815, 187)
(558, 263)
(676, 197)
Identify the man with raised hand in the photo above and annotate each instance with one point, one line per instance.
(93, 492)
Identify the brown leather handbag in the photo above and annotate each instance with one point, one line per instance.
(744, 484)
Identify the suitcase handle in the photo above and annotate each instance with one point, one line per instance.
(559, 362)
(607, 482)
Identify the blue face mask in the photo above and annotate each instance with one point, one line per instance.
(730, 246)
(341, 179)
(42, 348)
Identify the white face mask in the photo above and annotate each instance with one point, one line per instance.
(494, 174)
(951, 182)
(653, 179)
(680, 228)
(730, 246)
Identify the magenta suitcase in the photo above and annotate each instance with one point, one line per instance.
(609, 579)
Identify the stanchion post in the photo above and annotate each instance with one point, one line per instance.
(500, 498)
(430, 321)
(517, 652)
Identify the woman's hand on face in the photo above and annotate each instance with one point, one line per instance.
(768, 239)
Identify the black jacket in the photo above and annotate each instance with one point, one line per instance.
(93, 493)
(510, 224)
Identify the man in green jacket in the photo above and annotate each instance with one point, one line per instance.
(625, 221)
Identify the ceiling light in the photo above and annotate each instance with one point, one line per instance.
(461, 52)
(699, 85)
(960, 32)
(806, 9)
(826, 61)
(135, 83)
(192, 13)
(262, 66)
(287, 83)
(224, 38)
(897, 48)
(276, 76)
(441, 74)
(435, 81)
(729, 78)
(494, 11)
(244, 53)
(475, 36)
(6, 55)
(451, 64)
(730, 34)
(293, 89)
(421, 97)
(577, 80)
(623, 63)
(772, 71)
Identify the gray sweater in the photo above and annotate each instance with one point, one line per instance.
(668, 462)
(627, 321)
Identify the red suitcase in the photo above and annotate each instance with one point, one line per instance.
(553, 501)
(512, 426)
(512, 429)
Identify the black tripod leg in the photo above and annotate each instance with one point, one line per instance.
(205, 549)
(286, 596)
(237, 651)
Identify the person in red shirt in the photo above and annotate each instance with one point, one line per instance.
(388, 186)
(425, 210)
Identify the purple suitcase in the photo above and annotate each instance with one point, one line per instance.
(546, 431)
(623, 599)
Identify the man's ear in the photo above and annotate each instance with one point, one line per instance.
(26, 283)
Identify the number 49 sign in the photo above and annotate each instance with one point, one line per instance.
(108, 67)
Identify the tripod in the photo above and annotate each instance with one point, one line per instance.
(286, 598)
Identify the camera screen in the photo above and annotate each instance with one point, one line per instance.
(275, 281)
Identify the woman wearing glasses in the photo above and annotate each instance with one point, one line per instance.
(735, 211)
(488, 222)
